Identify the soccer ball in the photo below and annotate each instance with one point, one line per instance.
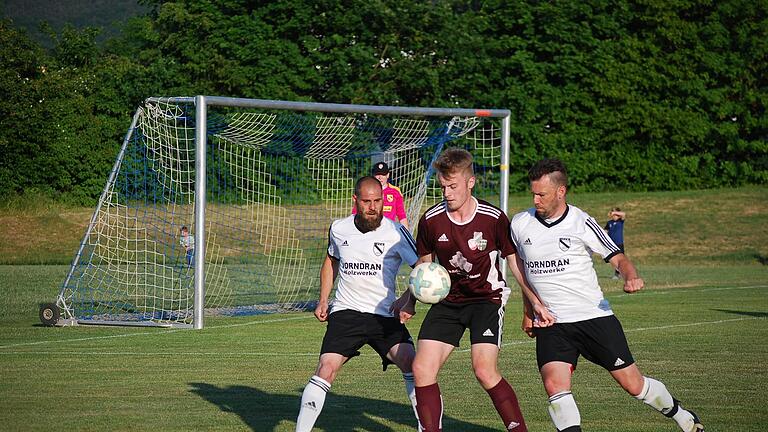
(429, 282)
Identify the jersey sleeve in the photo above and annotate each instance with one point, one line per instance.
(333, 250)
(512, 233)
(424, 241)
(504, 236)
(596, 239)
(407, 246)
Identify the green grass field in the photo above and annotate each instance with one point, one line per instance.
(700, 327)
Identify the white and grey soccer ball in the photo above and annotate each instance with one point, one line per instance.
(429, 282)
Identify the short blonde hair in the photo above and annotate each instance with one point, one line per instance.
(453, 161)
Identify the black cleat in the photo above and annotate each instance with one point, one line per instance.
(697, 426)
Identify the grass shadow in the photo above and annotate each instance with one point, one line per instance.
(745, 313)
(762, 259)
(264, 411)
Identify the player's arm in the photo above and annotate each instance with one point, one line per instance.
(405, 306)
(400, 210)
(632, 281)
(328, 272)
(535, 314)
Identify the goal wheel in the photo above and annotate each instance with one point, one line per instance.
(49, 314)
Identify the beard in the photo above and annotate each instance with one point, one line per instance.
(366, 222)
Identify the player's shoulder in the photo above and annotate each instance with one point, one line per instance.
(395, 188)
(488, 209)
(343, 223)
(435, 210)
(577, 213)
(524, 215)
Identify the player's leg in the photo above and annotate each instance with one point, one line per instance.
(486, 327)
(402, 356)
(655, 394)
(609, 349)
(430, 357)
(562, 408)
(394, 344)
(557, 355)
(313, 396)
(344, 336)
(485, 365)
(440, 333)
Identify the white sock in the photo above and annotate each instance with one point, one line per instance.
(312, 400)
(656, 395)
(563, 411)
(410, 390)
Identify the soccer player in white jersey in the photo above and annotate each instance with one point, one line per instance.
(365, 252)
(470, 238)
(555, 242)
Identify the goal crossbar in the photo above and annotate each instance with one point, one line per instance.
(133, 250)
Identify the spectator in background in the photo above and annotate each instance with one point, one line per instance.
(187, 241)
(615, 228)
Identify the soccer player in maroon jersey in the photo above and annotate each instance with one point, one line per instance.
(469, 237)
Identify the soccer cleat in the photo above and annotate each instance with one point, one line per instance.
(697, 426)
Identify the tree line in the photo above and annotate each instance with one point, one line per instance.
(633, 95)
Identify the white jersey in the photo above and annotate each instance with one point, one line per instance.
(368, 264)
(558, 264)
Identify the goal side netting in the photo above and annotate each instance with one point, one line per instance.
(257, 184)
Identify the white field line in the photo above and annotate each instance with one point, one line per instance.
(162, 332)
(152, 332)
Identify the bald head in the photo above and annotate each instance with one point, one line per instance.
(366, 182)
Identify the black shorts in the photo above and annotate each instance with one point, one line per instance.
(599, 340)
(349, 330)
(446, 322)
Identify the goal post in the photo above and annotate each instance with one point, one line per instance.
(255, 184)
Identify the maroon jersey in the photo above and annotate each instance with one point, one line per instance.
(470, 251)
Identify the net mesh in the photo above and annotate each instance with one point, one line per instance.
(276, 179)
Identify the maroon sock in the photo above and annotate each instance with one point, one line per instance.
(505, 401)
(429, 405)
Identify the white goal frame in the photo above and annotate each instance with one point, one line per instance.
(202, 104)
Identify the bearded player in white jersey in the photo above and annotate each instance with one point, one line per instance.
(365, 251)
(555, 242)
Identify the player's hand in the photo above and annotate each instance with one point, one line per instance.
(321, 311)
(527, 325)
(543, 317)
(633, 285)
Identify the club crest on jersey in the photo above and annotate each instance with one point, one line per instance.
(390, 197)
(378, 248)
(477, 241)
(564, 243)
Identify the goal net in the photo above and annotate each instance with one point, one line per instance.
(256, 184)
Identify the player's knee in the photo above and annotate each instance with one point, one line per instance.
(423, 372)
(327, 371)
(554, 385)
(404, 356)
(633, 388)
(487, 377)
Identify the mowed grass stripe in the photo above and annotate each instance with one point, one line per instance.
(158, 332)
